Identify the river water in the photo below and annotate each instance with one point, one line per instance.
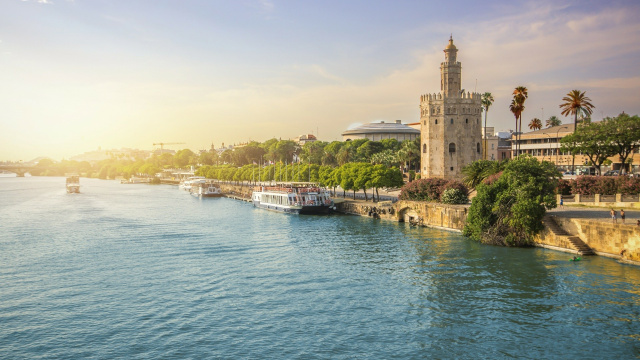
(150, 272)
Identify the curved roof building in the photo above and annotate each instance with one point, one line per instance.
(380, 131)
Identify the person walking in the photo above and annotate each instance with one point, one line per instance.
(561, 202)
(613, 217)
(622, 215)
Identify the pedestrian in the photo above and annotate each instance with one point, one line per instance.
(613, 216)
(561, 203)
(622, 215)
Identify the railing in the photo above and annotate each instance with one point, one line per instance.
(598, 199)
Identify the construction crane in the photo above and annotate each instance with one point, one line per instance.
(163, 144)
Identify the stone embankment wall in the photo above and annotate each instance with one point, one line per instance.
(441, 216)
(613, 240)
(243, 191)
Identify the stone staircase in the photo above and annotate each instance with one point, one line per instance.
(576, 242)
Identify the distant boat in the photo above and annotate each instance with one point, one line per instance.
(293, 198)
(73, 184)
(203, 189)
(189, 182)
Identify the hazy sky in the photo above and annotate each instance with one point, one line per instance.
(75, 75)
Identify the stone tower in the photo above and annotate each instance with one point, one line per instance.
(451, 131)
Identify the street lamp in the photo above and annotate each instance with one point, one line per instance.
(558, 142)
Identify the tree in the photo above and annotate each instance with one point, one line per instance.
(516, 110)
(520, 94)
(184, 157)
(362, 177)
(409, 152)
(509, 211)
(535, 124)
(553, 121)
(623, 134)
(313, 152)
(593, 141)
(576, 103)
(487, 101)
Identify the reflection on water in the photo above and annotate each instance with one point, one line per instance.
(139, 271)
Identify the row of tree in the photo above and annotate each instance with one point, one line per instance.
(350, 176)
(600, 140)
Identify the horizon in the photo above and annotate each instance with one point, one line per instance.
(81, 75)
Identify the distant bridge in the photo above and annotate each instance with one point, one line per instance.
(19, 169)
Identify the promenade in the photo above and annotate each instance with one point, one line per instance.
(600, 214)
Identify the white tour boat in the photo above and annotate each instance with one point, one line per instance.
(191, 181)
(73, 184)
(294, 198)
(203, 189)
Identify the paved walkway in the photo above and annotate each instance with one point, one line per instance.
(601, 214)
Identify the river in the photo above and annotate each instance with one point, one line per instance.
(149, 272)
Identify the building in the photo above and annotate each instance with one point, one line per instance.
(380, 131)
(498, 145)
(545, 145)
(303, 139)
(451, 124)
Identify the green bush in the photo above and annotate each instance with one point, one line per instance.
(509, 210)
(454, 196)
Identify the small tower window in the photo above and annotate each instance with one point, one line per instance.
(452, 147)
(436, 121)
(452, 120)
(466, 121)
(478, 147)
(424, 148)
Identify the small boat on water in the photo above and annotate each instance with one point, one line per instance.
(73, 184)
(204, 189)
(191, 181)
(293, 198)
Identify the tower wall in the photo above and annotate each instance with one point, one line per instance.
(451, 124)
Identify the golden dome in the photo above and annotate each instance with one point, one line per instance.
(450, 46)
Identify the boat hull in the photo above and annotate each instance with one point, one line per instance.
(302, 210)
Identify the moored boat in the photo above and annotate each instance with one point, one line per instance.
(204, 189)
(293, 198)
(73, 184)
(191, 181)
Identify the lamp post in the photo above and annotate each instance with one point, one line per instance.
(558, 142)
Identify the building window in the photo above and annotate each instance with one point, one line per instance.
(492, 146)
(452, 120)
(425, 122)
(478, 147)
(452, 148)
(436, 121)
(424, 148)
(451, 168)
(466, 121)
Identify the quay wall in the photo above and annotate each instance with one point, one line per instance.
(441, 216)
(621, 241)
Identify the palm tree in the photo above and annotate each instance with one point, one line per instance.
(516, 109)
(520, 94)
(553, 121)
(576, 103)
(487, 101)
(535, 124)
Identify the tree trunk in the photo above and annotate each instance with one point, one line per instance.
(365, 195)
(354, 194)
(485, 135)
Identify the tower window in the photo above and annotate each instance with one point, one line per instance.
(452, 120)
(452, 147)
(478, 147)
(451, 168)
(436, 121)
(424, 148)
(466, 121)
